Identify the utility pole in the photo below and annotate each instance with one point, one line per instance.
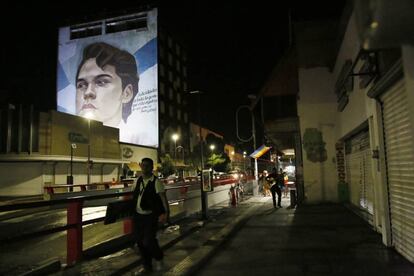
(252, 137)
(203, 193)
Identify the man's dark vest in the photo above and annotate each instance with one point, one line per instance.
(150, 201)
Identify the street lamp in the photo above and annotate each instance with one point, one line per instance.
(212, 147)
(244, 161)
(203, 194)
(252, 137)
(175, 137)
(182, 150)
(89, 116)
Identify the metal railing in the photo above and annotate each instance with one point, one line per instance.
(75, 206)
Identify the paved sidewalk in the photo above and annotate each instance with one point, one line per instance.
(256, 239)
(310, 240)
(178, 245)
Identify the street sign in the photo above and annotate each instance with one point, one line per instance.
(207, 181)
(77, 138)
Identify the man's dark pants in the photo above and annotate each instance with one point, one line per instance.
(275, 189)
(145, 227)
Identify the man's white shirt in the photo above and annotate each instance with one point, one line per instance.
(159, 188)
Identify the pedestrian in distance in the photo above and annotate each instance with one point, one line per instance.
(150, 207)
(285, 185)
(276, 181)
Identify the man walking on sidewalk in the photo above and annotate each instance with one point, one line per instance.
(151, 207)
(276, 180)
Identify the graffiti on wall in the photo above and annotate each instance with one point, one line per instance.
(314, 145)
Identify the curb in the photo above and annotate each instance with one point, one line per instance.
(46, 267)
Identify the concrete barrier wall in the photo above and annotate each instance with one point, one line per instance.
(192, 203)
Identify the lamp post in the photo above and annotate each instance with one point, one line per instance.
(252, 137)
(203, 194)
(69, 179)
(244, 161)
(89, 116)
(175, 138)
(181, 172)
(182, 149)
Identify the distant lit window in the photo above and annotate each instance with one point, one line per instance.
(124, 23)
(86, 30)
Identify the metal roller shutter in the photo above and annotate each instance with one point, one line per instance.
(359, 174)
(399, 149)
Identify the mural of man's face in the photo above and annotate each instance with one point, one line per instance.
(99, 92)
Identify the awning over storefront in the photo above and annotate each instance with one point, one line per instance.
(133, 166)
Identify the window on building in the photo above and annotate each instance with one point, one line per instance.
(170, 59)
(184, 71)
(162, 88)
(170, 42)
(177, 65)
(162, 52)
(171, 93)
(124, 23)
(177, 49)
(178, 98)
(178, 80)
(171, 111)
(185, 86)
(170, 76)
(179, 114)
(162, 36)
(185, 117)
(162, 70)
(162, 107)
(86, 30)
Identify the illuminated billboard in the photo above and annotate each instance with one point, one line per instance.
(107, 71)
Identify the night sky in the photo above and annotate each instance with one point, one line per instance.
(232, 47)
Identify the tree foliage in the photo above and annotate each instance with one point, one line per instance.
(217, 159)
(167, 166)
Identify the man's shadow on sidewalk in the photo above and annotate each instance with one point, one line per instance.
(268, 212)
